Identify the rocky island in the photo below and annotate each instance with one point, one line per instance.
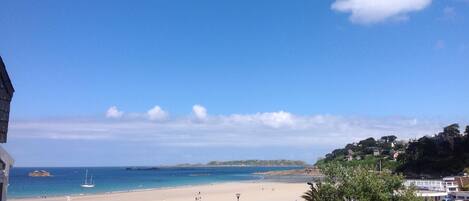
(39, 173)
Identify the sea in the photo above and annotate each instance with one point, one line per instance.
(67, 180)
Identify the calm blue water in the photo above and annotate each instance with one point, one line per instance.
(66, 181)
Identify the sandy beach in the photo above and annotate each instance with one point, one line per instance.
(250, 191)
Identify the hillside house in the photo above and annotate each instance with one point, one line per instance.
(376, 152)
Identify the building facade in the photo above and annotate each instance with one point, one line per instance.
(451, 184)
(460, 196)
(6, 161)
(446, 189)
(426, 185)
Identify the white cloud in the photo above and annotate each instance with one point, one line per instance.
(156, 113)
(374, 11)
(114, 113)
(246, 130)
(272, 119)
(199, 112)
(277, 119)
(215, 136)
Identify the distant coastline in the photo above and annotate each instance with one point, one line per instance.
(234, 163)
(249, 163)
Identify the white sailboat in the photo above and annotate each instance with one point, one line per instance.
(86, 184)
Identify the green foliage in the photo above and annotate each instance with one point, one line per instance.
(358, 183)
(319, 192)
(466, 170)
(313, 193)
(362, 153)
(368, 161)
(452, 130)
(446, 153)
(389, 138)
(369, 142)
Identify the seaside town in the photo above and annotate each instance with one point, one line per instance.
(430, 164)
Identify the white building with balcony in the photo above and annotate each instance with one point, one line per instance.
(438, 190)
(451, 184)
(426, 185)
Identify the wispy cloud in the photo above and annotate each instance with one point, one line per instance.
(279, 128)
(375, 11)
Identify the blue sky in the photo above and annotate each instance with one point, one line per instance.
(147, 82)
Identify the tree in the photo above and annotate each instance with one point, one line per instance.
(389, 138)
(339, 152)
(444, 154)
(369, 142)
(467, 130)
(313, 193)
(358, 183)
(319, 192)
(451, 130)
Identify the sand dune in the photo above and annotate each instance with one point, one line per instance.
(250, 191)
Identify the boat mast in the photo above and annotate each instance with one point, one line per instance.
(86, 177)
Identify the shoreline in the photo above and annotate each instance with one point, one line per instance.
(140, 189)
(217, 191)
(104, 190)
(261, 179)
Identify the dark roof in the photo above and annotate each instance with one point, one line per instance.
(5, 78)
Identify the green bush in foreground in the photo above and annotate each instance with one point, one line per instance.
(358, 184)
